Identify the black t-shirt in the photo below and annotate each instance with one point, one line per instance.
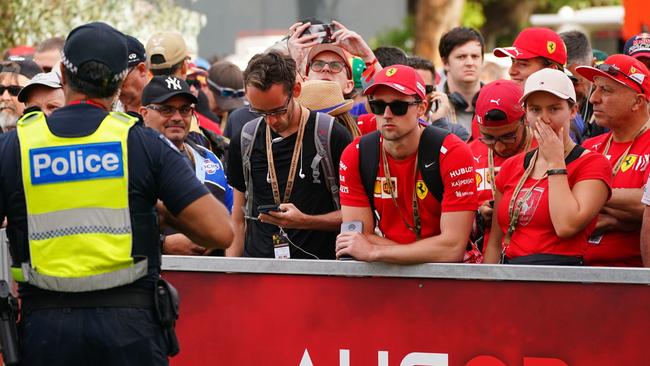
(156, 171)
(237, 119)
(310, 198)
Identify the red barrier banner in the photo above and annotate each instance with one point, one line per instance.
(299, 320)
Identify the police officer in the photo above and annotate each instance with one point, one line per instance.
(79, 189)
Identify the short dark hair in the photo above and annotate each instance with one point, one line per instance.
(421, 63)
(168, 71)
(578, 48)
(457, 37)
(54, 43)
(93, 79)
(389, 55)
(266, 69)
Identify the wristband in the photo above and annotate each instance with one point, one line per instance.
(556, 172)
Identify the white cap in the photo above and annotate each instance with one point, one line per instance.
(50, 79)
(551, 81)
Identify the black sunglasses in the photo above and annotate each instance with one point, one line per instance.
(611, 70)
(397, 107)
(495, 115)
(12, 89)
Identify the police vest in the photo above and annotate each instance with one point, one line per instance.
(78, 220)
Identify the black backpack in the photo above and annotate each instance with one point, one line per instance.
(428, 162)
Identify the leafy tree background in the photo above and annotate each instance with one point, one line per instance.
(26, 22)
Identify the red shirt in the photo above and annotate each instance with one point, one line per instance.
(457, 173)
(534, 233)
(367, 123)
(618, 248)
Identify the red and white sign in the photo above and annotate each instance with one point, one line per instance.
(294, 320)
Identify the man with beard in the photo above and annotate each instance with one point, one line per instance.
(14, 75)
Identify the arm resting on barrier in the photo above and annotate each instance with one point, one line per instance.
(449, 246)
(205, 221)
(645, 237)
(493, 247)
(290, 217)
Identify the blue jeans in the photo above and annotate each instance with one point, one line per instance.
(91, 336)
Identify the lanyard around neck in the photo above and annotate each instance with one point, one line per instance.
(416, 228)
(621, 158)
(294, 160)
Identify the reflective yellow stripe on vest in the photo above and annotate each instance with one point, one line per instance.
(76, 191)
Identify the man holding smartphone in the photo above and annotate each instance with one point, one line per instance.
(422, 218)
(273, 164)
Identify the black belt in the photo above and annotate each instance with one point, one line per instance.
(112, 298)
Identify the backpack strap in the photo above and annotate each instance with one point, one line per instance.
(429, 159)
(575, 153)
(368, 163)
(322, 136)
(248, 134)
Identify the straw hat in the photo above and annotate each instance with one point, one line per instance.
(324, 96)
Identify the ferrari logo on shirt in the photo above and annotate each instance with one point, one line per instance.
(628, 162)
(391, 71)
(551, 47)
(421, 189)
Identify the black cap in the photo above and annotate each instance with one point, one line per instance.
(136, 51)
(97, 42)
(22, 66)
(162, 87)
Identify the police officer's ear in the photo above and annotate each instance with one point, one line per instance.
(62, 73)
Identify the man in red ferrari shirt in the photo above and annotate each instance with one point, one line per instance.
(620, 99)
(500, 120)
(416, 227)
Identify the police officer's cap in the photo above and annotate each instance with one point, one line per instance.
(97, 42)
(163, 87)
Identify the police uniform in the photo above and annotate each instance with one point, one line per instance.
(79, 191)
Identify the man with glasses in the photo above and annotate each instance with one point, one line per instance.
(500, 120)
(620, 100)
(289, 213)
(422, 218)
(14, 75)
(168, 105)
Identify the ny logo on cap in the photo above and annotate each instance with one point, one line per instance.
(391, 71)
(551, 47)
(174, 83)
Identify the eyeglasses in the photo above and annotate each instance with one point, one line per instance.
(397, 107)
(274, 113)
(428, 89)
(611, 70)
(12, 89)
(227, 92)
(508, 138)
(334, 66)
(169, 111)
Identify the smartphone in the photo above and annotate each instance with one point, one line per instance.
(324, 32)
(491, 203)
(268, 208)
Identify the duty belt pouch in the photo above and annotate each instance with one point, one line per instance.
(167, 303)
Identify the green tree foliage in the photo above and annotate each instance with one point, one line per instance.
(27, 22)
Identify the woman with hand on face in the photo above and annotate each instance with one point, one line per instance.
(547, 200)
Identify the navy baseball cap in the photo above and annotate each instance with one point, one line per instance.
(136, 51)
(163, 87)
(97, 42)
(21, 65)
(638, 46)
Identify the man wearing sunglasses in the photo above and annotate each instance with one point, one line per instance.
(417, 227)
(168, 107)
(620, 100)
(500, 120)
(14, 75)
(280, 170)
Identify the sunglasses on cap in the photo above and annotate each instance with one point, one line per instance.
(397, 107)
(227, 92)
(613, 71)
(169, 111)
(12, 89)
(334, 66)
